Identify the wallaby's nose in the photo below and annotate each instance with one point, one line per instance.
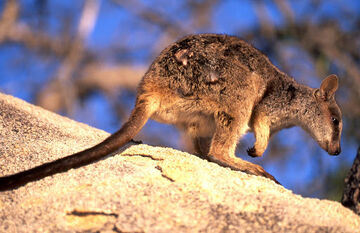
(333, 149)
(338, 151)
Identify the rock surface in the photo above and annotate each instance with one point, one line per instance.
(141, 188)
(351, 195)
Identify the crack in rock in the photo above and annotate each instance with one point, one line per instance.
(144, 155)
(90, 221)
(163, 175)
(87, 213)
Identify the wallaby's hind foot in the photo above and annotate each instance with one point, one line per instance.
(238, 164)
(202, 146)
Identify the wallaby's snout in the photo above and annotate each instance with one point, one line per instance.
(334, 149)
(337, 151)
(331, 147)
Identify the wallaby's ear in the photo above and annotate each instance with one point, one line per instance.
(328, 87)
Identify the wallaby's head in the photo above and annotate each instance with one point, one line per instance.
(324, 121)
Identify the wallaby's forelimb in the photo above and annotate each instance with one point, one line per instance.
(261, 128)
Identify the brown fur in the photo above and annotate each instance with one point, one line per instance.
(216, 88)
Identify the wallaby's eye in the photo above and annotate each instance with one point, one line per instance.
(335, 121)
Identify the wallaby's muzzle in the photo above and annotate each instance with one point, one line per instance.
(334, 149)
(335, 152)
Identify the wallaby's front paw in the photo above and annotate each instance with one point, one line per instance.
(136, 141)
(253, 152)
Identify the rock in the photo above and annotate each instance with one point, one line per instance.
(141, 188)
(351, 195)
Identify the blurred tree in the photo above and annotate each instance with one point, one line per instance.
(70, 55)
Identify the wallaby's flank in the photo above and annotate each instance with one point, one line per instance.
(216, 88)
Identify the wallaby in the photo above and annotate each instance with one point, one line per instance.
(216, 88)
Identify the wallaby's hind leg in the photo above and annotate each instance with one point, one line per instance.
(202, 146)
(223, 144)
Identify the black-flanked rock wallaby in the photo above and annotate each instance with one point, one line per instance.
(216, 88)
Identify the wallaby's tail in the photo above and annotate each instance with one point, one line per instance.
(143, 110)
